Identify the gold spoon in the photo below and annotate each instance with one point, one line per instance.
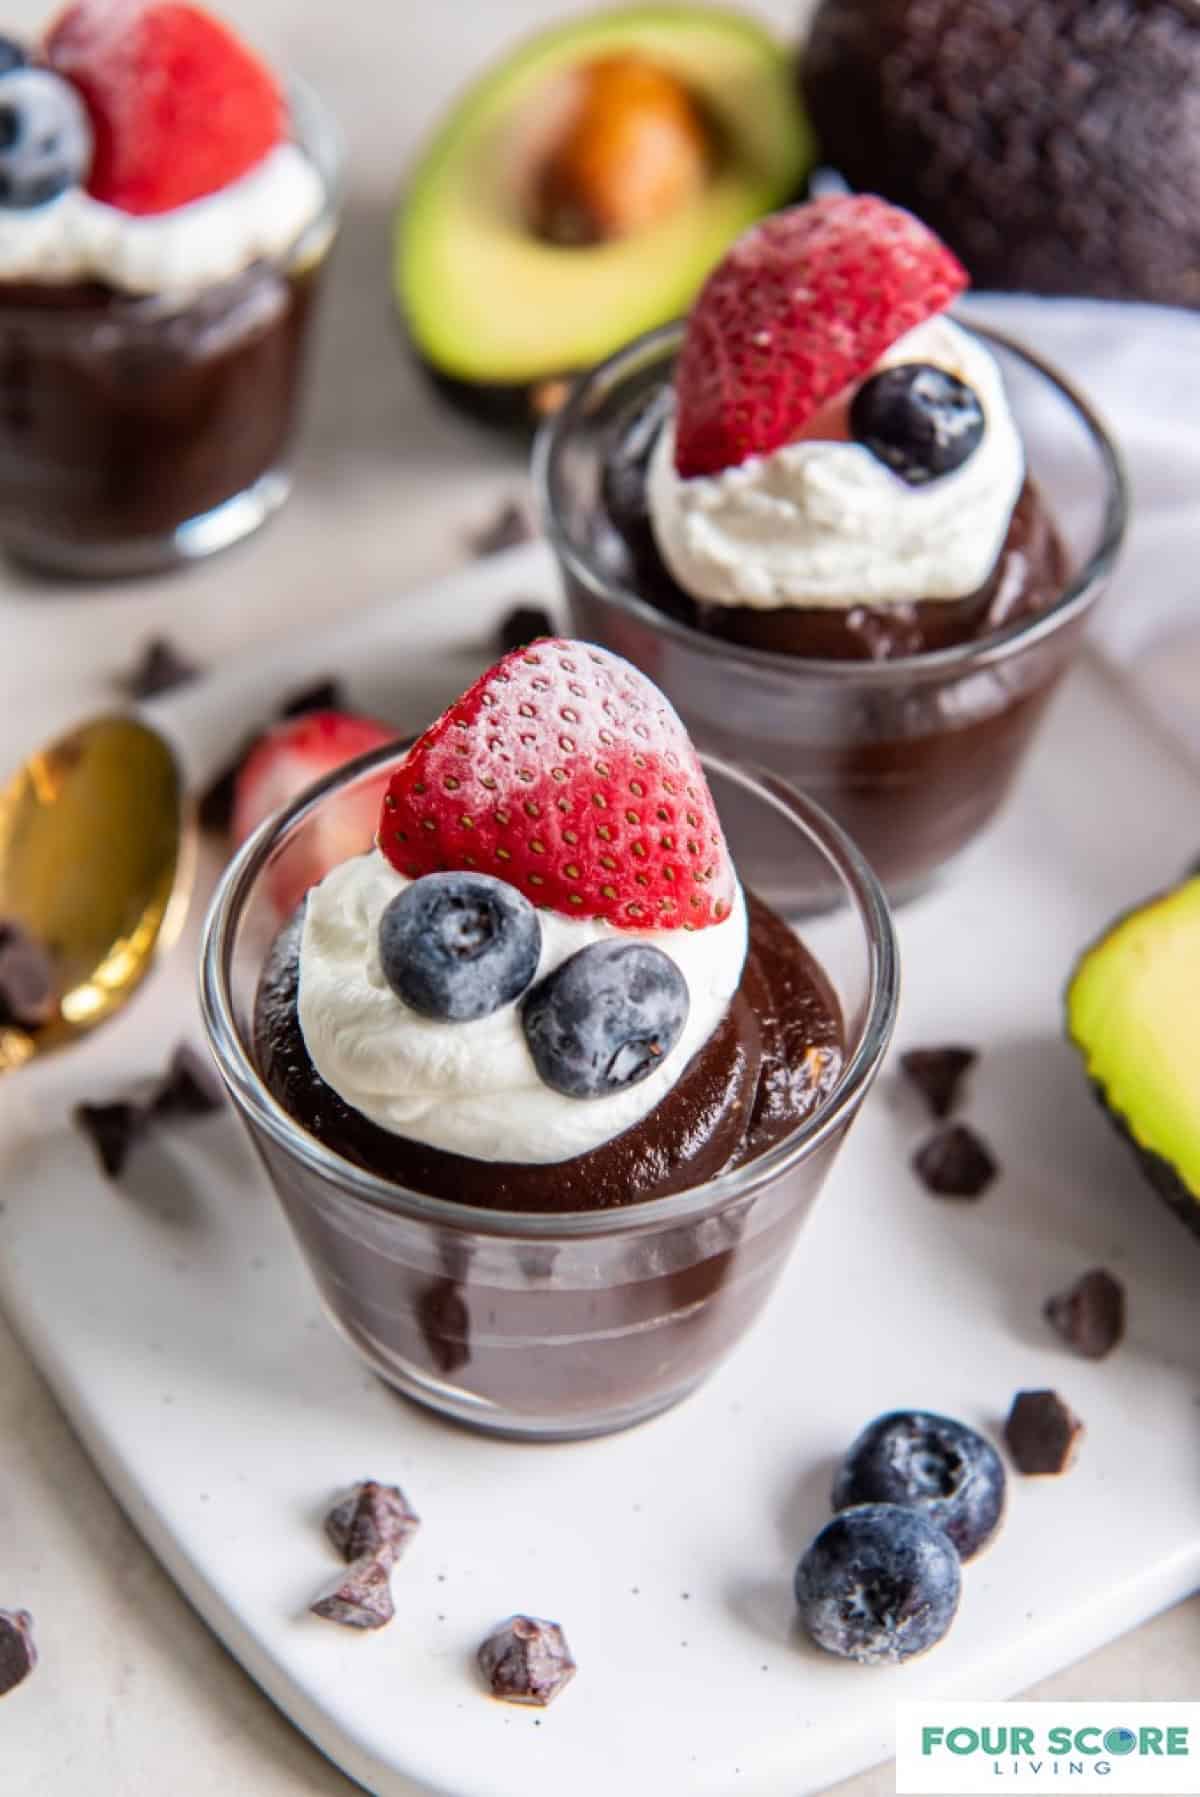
(98, 833)
(97, 856)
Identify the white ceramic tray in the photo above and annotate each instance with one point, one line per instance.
(179, 1330)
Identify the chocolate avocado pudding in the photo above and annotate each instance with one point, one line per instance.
(100, 395)
(165, 209)
(775, 1054)
(811, 511)
(545, 994)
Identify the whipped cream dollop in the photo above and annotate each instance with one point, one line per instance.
(472, 1088)
(78, 238)
(826, 523)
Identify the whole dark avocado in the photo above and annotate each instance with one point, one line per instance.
(580, 191)
(1053, 144)
(1131, 1014)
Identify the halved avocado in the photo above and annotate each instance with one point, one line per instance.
(490, 302)
(1133, 1011)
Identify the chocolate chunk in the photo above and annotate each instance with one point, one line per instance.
(522, 625)
(937, 1074)
(326, 694)
(18, 1655)
(374, 1522)
(1042, 1433)
(510, 526)
(955, 1163)
(188, 1088)
(112, 1130)
(1090, 1314)
(526, 1660)
(28, 988)
(159, 667)
(360, 1598)
(214, 807)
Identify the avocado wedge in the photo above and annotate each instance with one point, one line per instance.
(499, 307)
(1133, 1011)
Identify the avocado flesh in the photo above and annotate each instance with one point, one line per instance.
(488, 301)
(1133, 1010)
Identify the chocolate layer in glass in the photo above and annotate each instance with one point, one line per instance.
(776, 1055)
(1028, 576)
(777, 1052)
(123, 418)
(907, 723)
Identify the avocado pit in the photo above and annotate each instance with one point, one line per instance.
(633, 147)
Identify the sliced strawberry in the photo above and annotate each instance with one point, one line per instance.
(179, 106)
(282, 765)
(565, 772)
(803, 305)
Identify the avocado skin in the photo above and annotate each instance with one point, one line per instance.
(1048, 142)
(1159, 1174)
(1157, 1171)
(500, 408)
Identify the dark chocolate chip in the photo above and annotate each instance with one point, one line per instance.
(18, 1655)
(511, 525)
(326, 694)
(112, 1130)
(938, 1074)
(1090, 1315)
(374, 1522)
(214, 808)
(188, 1088)
(360, 1598)
(28, 988)
(159, 667)
(526, 1660)
(1043, 1433)
(955, 1163)
(523, 624)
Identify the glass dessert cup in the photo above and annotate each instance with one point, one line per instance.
(913, 756)
(141, 431)
(536, 1325)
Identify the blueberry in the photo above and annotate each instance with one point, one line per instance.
(45, 138)
(12, 55)
(878, 1585)
(920, 420)
(928, 1463)
(605, 1019)
(457, 946)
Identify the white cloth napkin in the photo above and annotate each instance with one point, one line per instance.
(1140, 367)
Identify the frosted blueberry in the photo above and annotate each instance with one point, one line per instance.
(457, 946)
(606, 1019)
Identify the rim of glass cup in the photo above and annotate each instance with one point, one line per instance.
(238, 1070)
(319, 135)
(555, 433)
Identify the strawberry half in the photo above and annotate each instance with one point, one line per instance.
(282, 765)
(565, 772)
(179, 106)
(802, 306)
